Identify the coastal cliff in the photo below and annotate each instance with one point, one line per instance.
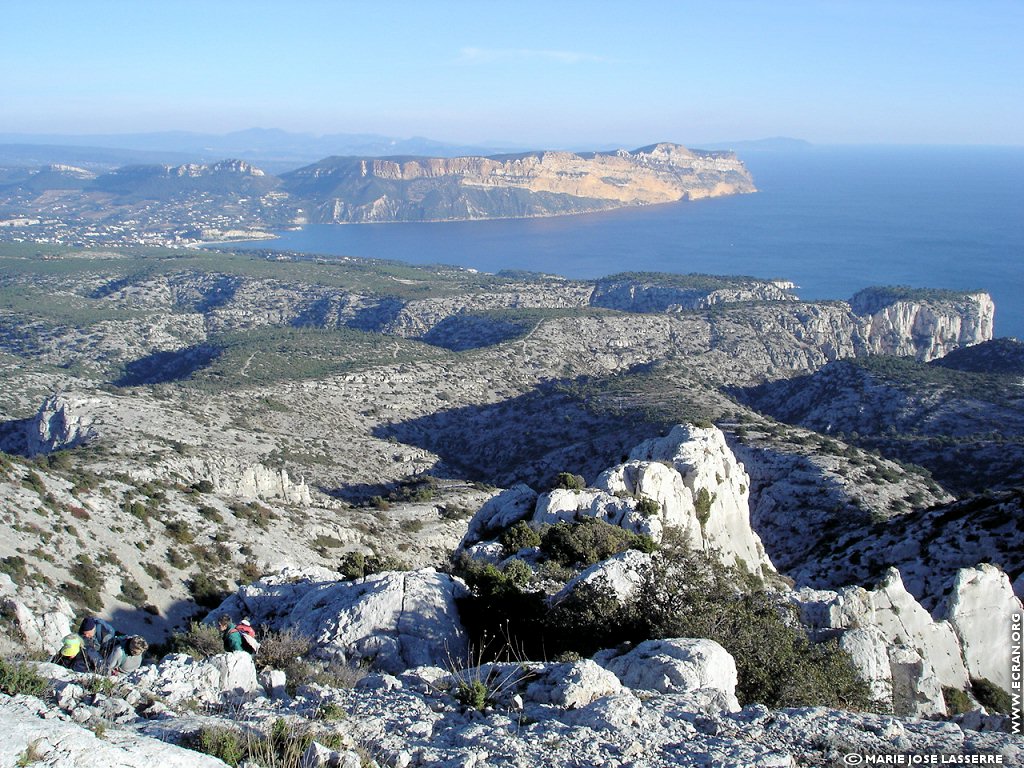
(352, 189)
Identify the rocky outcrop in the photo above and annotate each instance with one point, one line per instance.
(63, 421)
(395, 620)
(981, 609)
(254, 481)
(662, 293)
(180, 679)
(689, 481)
(905, 652)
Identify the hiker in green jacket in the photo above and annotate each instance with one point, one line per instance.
(231, 636)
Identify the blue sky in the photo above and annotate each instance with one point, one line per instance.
(551, 74)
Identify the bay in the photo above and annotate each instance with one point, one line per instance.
(833, 220)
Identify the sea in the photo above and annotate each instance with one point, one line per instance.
(833, 220)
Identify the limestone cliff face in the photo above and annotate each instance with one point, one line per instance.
(531, 184)
(928, 326)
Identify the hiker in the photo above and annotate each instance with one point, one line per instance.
(95, 633)
(124, 655)
(72, 654)
(240, 637)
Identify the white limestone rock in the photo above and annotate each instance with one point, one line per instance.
(179, 678)
(572, 685)
(706, 463)
(869, 653)
(677, 665)
(40, 631)
(981, 608)
(623, 574)
(63, 421)
(916, 690)
(396, 620)
(499, 512)
(615, 712)
(896, 614)
(29, 729)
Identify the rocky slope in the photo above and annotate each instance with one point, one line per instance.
(963, 425)
(669, 701)
(533, 184)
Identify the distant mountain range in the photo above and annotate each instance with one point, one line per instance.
(274, 150)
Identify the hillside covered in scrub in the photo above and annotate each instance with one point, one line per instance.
(439, 476)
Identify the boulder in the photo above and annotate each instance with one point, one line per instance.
(572, 685)
(677, 665)
(396, 620)
(499, 512)
(980, 609)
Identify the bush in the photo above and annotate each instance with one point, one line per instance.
(15, 566)
(957, 702)
(991, 696)
(180, 531)
(17, 677)
(132, 591)
(589, 541)
(199, 641)
(279, 649)
(777, 665)
(356, 565)
(518, 536)
(570, 482)
(647, 506)
(207, 591)
(702, 505)
(88, 582)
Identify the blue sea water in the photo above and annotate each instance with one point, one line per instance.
(831, 219)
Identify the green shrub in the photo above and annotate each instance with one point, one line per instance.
(224, 743)
(177, 558)
(518, 536)
(647, 506)
(132, 591)
(17, 677)
(472, 694)
(991, 696)
(199, 641)
(356, 565)
(589, 541)
(211, 513)
(702, 504)
(957, 702)
(570, 482)
(180, 531)
(85, 590)
(207, 591)
(15, 566)
(696, 596)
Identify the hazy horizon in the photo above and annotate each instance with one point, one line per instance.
(545, 75)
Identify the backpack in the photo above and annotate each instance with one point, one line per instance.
(249, 641)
